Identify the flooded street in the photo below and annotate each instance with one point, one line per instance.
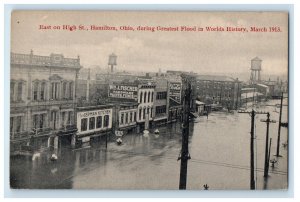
(220, 157)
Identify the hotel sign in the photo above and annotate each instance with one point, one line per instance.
(123, 91)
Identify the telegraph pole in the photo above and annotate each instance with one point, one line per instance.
(252, 181)
(185, 156)
(279, 127)
(252, 114)
(266, 168)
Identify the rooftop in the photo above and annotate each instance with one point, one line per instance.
(214, 78)
(54, 60)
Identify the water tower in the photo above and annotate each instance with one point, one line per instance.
(255, 70)
(112, 61)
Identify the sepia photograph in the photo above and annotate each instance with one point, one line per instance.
(149, 100)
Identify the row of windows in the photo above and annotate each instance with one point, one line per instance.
(39, 91)
(161, 109)
(94, 122)
(148, 97)
(146, 111)
(161, 95)
(67, 90)
(128, 118)
(39, 121)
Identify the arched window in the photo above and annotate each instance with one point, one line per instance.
(149, 96)
(64, 90)
(152, 96)
(35, 90)
(141, 97)
(144, 113)
(145, 95)
(140, 113)
(20, 91)
(43, 89)
(71, 90)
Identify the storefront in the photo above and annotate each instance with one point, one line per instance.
(93, 122)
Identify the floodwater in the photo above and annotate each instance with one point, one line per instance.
(219, 147)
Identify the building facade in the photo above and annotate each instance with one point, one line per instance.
(161, 101)
(127, 116)
(93, 122)
(145, 104)
(42, 99)
(221, 90)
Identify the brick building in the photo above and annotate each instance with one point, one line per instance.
(221, 90)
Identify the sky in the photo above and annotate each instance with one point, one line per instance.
(201, 52)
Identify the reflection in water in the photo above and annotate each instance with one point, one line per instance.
(219, 147)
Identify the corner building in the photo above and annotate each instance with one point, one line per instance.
(42, 100)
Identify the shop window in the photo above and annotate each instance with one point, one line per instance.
(92, 123)
(106, 120)
(84, 124)
(99, 122)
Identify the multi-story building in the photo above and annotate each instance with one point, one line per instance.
(221, 90)
(42, 99)
(145, 101)
(161, 101)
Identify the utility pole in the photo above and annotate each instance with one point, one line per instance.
(279, 127)
(252, 114)
(185, 156)
(268, 121)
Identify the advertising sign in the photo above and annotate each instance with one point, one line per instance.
(123, 91)
(88, 114)
(175, 91)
